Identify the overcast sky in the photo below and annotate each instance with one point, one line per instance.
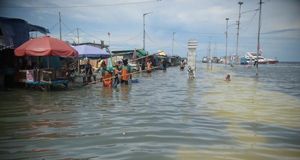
(203, 20)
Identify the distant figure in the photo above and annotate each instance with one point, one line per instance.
(116, 82)
(88, 71)
(182, 65)
(227, 78)
(149, 63)
(98, 67)
(164, 65)
(125, 69)
(106, 73)
(143, 66)
(255, 63)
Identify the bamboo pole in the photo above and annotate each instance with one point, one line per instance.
(121, 76)
(142, 57)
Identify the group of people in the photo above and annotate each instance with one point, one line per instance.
(106, 73)
(110, 75)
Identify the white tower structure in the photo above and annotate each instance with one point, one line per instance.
(191, 58)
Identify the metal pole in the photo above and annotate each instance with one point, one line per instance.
(226, 40)
(77, 36)
(213, 56)
(78, 58)
(209, 53)
(59, 27)
(144, 28)
(144, 31)
(173, 43)
(207, 59)
(258, 37)
(237, 35)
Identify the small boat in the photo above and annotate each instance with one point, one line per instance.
(252, 56)
(272, 61)
(244, 61)
(262, 61)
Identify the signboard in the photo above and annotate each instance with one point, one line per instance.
(30, 75)
(191, 58)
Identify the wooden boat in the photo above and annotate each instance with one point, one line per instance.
(272, 61)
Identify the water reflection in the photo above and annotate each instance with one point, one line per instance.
(125, 93)
(164, 116)
(190, 91)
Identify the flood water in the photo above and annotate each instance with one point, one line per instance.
(165, 116)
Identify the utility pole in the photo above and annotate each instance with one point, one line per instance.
(78, 58)
(226, 40)
(59, 27)
(144, 27)
(173, 43)
(258, 37)
(77, 36)
(237, 35)
(208, 57)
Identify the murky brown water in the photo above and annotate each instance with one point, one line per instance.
(165, 116)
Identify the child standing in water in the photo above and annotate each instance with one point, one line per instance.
(182, 65)
(227, 78)
(149, 63)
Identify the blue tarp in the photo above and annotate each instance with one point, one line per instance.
(244, 61)
(16, 31)
(54, 62)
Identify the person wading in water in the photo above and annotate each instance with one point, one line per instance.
(125, 69)
(106, 73)
(182, 65)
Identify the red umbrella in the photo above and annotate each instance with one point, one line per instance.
(46, 46)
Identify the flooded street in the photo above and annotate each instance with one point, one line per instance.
(165, 116)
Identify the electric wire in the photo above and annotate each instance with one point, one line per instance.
(54, 26)
(68, 28)
(90, 6)
(66, 34)
(180, 44)
(127, 40)
(249, 22)
(184, 31)
(90, 35)
(152, 41)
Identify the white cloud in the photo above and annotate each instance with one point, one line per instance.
(205, 17)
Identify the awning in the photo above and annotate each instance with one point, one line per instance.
(38, 28)
(15, 31)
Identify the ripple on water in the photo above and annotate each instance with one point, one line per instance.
(164, 116)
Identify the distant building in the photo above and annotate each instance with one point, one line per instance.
(101, 45)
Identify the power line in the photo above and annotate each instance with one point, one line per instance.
(103, 5)
(69, 28)
(180, 44)
(151, 40)
(157, 45)
(250, 21)
(128, 39)
(90, 35)
(183, 31)
(66, 34)
(54, 26)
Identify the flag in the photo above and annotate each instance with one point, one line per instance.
(134, 55)
(260, 51)
(108, 34)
